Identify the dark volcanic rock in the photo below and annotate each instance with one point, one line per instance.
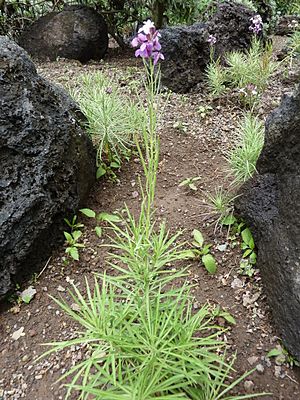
(230, 25)
(77, 32)
(46, 162)
(287, 24)
(187, 52)
(270, 204)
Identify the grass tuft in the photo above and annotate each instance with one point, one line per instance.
(243, 157)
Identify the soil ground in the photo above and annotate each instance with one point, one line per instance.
(191, 146)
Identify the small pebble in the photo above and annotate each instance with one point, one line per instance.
(248, 385)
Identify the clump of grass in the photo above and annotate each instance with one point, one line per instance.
(243, 157)
(219, 205)
(294, 43)
(216, 78)
(112, 119)
(248, 72)
(252, 68)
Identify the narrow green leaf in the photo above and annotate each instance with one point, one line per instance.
(228, 317)
(193, 187)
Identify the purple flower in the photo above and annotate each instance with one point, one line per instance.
(212, 40)
(148, 42)
(257, 24)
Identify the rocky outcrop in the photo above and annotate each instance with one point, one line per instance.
(287, 25)
(47, 164)
(77, 32)
(270, 205)
(187, 51)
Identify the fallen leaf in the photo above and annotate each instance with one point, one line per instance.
(28, 294)
(17, 334)
(75, 307)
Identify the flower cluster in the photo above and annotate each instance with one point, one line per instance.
(212, 40)
(148, 42)
(249, 90)
(257, 24)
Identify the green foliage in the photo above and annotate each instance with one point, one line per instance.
(101, 217)
(112, 119)
(243, 157)
(218, 312)
(202, 250)
(249, 255)
(282, 356)
(252, 68)
(288, 6)
(204, 110)
(294, 44)
(220, 206)
(72, 244)
(145, 347)
(248, 72)
(73, 237)
(216, 78)
(190, 183)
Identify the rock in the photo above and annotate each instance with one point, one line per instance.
(237, 283)
(249, 386)
(252, 360)
(187, 52)
(230, 25)
(46, 162)
(270, 205)
(287, 24)
(260, 368)
(77, 32)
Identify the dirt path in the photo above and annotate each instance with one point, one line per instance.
(191, 146)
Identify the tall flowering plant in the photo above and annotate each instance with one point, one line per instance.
(149, 49)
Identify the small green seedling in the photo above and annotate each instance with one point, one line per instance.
(101, 217)
(249, 255)
(181, 126)
(218, 312)
(190, 182)
(72, 244)
(73, 224)
(282, 356)
(248, 246)
(203, 111)
(201, 250)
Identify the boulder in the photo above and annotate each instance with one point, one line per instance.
(47, 164)
(270, 205)
(287, 25)
(77, 32)
(187, 51)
